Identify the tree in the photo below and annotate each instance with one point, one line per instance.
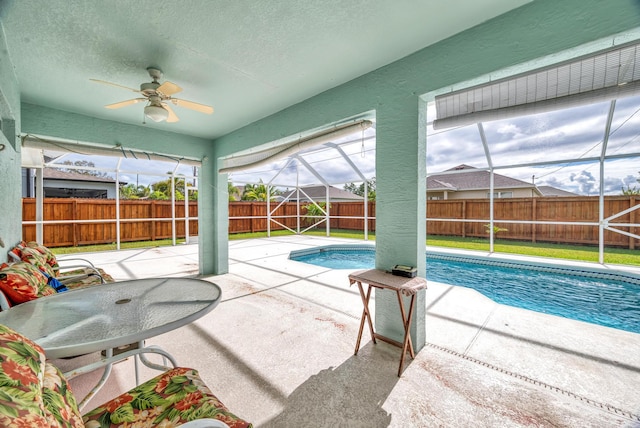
(635, 190)
(131, 191)
(158, 195)
(87, 164)
(258, 192)
(233, 191)
(314, 211)
(496, 229)
(163, 187)
(359, 190)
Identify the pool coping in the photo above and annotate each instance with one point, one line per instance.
(560, 266)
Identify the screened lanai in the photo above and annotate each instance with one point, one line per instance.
(127, 169)
(589, 149)
(269, 81)
(571, 125)
(330, 158)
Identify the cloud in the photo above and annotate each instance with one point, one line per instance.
(554, 182)
(510, 129)
(586, 182)
(569, 134)
(612, 185)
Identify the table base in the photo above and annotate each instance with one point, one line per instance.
(406, 345)
(108, 359)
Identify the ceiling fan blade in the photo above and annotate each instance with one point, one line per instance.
(125, 103)
(114, 84)
(172, 115)
(193, 106)
(169, 88)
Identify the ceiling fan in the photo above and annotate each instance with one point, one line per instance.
(158, 97)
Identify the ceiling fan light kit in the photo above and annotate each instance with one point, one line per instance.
(156, 113)
(158, 96)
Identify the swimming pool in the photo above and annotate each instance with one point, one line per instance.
(609, 299)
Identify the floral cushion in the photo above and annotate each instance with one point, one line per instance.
(32, 393)
(17, 250)
(44, 259)
(47, 253)
(39, 260)
(59, 402)
(83, 277)
(170, 399)
(22, 282)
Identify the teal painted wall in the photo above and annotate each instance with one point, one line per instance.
(10, 178)
(536, 30)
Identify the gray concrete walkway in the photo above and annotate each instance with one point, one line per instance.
(278, 350)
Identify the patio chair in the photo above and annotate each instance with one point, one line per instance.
(35, 272)
(34, 392)
(80, 272)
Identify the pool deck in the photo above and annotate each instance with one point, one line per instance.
(278, 351)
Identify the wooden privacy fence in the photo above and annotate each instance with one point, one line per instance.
(249, 217)
(472, 216)
(92, 221)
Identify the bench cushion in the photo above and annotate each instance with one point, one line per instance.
(22, 282)
(32, 392)
(170, 399)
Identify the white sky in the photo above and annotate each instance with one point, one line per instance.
(575, 133)
(132, 171)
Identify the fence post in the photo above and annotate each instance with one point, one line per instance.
(632, 220)
(74, 210)
(464, 217)
(253, 217)
(534, 216)
(153, 220)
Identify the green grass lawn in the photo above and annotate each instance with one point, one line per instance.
(112, 247)
(558, 251)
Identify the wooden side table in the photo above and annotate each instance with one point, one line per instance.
(376, 278)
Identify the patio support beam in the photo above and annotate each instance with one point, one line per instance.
(400, 207)
(487, 153)
(118, 204)
(213, 217)
(40, 204)
(603, 153)
(365, 185)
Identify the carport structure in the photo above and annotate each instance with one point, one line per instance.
(276, 70)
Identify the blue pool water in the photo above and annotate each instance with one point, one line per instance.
(608, 299)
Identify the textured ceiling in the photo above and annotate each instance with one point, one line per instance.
(246, 58)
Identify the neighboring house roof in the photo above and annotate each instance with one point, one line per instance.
(473, 179)
(318, 193)
(554, 191)
(57, 174)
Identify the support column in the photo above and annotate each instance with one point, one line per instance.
(213, 219)
(401, 207)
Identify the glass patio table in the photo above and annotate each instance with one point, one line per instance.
(110, 316)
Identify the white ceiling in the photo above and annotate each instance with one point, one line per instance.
(246, 58)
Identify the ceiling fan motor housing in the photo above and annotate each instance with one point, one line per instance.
(149, 88)
(155, 73)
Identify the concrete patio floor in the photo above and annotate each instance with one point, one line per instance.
(278, 351)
